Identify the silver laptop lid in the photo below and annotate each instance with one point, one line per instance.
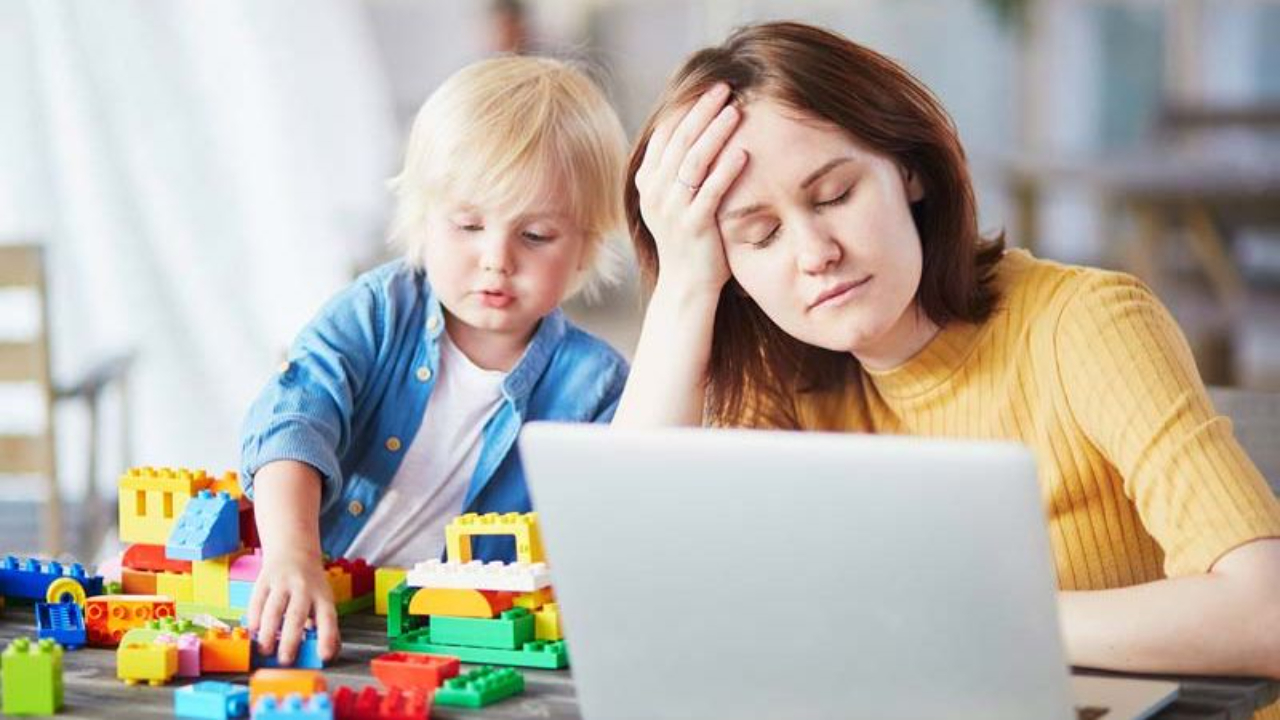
(706, 573)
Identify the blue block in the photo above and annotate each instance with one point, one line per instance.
(238, 593)
(209, 528)
(293, 707)
(211, 700)
(61, 622)
(307, 658)
(29, 578)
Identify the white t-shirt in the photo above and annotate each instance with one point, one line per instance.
(427, 491)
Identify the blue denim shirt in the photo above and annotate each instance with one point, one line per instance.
(359, 377)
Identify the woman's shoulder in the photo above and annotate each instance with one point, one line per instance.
(1039, 289)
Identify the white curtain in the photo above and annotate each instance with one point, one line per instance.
(205, 175)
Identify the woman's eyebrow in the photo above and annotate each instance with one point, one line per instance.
(826, 168)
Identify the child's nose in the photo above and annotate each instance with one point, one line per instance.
(497, 256)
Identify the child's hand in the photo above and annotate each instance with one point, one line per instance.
(291, 589)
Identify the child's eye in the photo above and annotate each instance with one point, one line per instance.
(537, 238)
(470, 227)
(836, 200)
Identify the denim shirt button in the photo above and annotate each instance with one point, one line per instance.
(356, 508)
(424, 373)
(284, 367)
(433, 322)
(393, 443)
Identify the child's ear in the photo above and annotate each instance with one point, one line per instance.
(911, 179)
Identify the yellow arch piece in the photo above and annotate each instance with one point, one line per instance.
(451, 602)
(522, 526)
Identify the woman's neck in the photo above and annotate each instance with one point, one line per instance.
(908, 336)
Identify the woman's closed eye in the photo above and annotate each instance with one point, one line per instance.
(835, 200)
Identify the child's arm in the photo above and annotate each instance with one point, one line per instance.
(292, 585)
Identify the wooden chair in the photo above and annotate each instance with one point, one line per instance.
(26, 360)
(1256, 416)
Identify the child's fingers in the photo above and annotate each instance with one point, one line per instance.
(694, 168)
(256, 601)
(690, 129)
(272, 615)
(725, 172)
(295, 624)
(327, 630)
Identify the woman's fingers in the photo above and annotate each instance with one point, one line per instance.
(723, 174)
(691, 127)
(703, 152)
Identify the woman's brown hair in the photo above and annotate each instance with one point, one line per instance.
(755, 367)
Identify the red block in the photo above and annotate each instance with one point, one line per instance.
(396, 704)
(248, 527)
(151, 558)
(361, 574)
(414, 671)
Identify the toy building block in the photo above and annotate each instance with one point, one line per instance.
(151, 500)
(32, 677)
(308, 655)
(109, 617)
(398, 618)
(533, 600)
(414, 671)
(459, 603)
(248, 526)
(546, 623)
(521, 526)
(509, 631)
(111, 568)
(280, 682)
(476, 575)
(62, 623)
(174, 585)
(370, 704)
(480, 687)
(339, 584)
(225, 651)
(153, 663)
(384, 581)
(211, 700)
(153, 629)
(188, 652)
(361, 572)
(141, 556)
(354, 605)
(239, 593)
(209, 527)
(138, 582)
(209, 581)
(536, 654)
(228, 483)
(293, 707)
(246, 567)
(32, 579)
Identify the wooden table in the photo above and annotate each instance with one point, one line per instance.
(92, 690)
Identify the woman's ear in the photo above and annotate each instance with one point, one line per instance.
(911, 179)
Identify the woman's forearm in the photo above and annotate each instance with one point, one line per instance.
(287, 508)
(1210, 624)
(667, 384)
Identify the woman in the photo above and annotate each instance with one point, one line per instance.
(803, 216)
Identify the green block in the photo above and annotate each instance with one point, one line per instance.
(398, 619)
(480, 687)
(32, 677)
(229, 614)
(536, 654)
(355, 605)
(509, 631)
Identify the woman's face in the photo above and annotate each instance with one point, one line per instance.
(818, 231)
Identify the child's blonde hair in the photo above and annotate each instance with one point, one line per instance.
(495, 130)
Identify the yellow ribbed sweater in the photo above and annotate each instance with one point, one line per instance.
(1140, 478)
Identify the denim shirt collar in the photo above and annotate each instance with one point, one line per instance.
(524, 376)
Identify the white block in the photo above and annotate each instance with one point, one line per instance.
(476, 575)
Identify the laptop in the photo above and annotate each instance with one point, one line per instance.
(748, 574)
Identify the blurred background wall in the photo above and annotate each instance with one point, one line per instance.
(202, 175)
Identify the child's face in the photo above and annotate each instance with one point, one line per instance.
(499, 270)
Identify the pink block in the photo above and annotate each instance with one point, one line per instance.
(246, 567)
(112, 569)
(189, 655)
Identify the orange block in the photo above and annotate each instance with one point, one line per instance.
(281, 682)
(340, 584)
(225, 651)
(108, 617)
(138, 582)
(459, 603)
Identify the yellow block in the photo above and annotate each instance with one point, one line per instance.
(451, 602)
(210, 581)
(153, 663)
(534, 600)
(522, 526)
(340, 584)
(175, 585)
(151, 501)
(385, 579)
(546, 623)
